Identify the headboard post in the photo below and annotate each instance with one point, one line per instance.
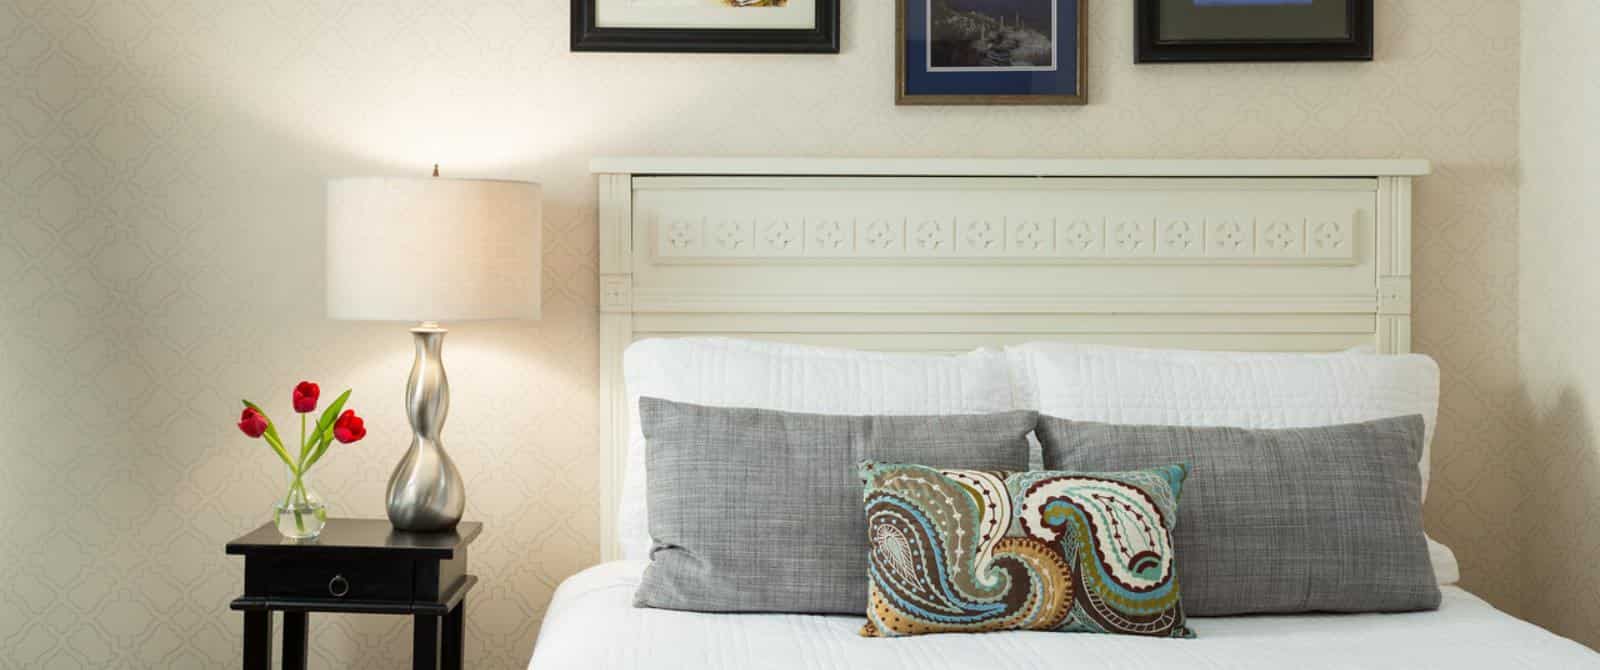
(944, 255)
(616, 332)
(1394, 265)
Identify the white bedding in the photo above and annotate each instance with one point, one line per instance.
(1172, 387)
(1094, 383)
(591, 624)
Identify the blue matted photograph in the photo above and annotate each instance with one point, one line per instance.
(990, 52)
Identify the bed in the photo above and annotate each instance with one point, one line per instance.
(944, 256)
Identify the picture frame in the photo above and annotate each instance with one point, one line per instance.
(922, 79)
(822, 37)
(1151, 45)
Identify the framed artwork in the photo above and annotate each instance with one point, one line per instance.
(990, 52)
(706, 26)
(1168, 31)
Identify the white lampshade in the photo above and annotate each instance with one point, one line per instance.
(432, 249)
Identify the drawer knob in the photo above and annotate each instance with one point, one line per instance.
(338, 586)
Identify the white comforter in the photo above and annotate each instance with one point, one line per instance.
(591, 624)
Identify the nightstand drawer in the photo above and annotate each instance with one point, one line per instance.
(333, 579)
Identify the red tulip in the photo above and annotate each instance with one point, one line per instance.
(349, 428)
(252, 423)
(305, 397)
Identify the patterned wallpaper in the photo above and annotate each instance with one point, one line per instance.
(1560, 134)
(161, 167)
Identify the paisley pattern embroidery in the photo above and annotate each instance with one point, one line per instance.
(970, 551)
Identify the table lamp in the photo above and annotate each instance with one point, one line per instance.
(429, 250)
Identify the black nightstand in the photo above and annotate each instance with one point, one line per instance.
(358, 566)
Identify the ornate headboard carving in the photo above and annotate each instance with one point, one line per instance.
(950, 254)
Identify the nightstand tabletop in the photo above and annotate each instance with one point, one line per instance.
(358, 537)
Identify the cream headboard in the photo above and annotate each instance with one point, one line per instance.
(948, 255)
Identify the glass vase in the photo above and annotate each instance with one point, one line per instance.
(299, 513)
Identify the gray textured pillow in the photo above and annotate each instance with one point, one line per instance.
(1289, 520)
(756, 510)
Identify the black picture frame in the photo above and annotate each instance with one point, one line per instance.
(1149, 48)
(822, 39)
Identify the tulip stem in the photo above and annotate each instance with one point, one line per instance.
(298, 484)
(300, 464)
(290, 502)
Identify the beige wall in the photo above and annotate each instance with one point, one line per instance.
(1560, 289)
(161, 168)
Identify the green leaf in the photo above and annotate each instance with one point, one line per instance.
(324, 432)
(277, 447)
(323, 443)
(331, 414)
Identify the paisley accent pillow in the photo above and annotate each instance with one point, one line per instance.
(971, 551)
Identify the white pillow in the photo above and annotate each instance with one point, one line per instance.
(1445, 568)
(1250, 390)
(793, 378)
(1171, 387)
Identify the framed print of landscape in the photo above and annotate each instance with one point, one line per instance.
(706, 26)
(990, 52)
(1167, 31)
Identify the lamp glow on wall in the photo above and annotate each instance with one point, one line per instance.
(430, 250)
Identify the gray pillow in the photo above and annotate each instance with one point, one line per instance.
(756, 510)
(1290, 520)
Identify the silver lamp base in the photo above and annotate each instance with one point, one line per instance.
(426, 493)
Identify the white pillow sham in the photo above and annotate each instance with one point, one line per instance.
(1211, 388)
(793, 378)
(1251, 390)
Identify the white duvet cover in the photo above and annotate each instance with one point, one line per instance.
(592, 625)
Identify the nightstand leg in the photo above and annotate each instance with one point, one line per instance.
(425, 644)
(453, 650)
(258, 640)
(294, 640)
